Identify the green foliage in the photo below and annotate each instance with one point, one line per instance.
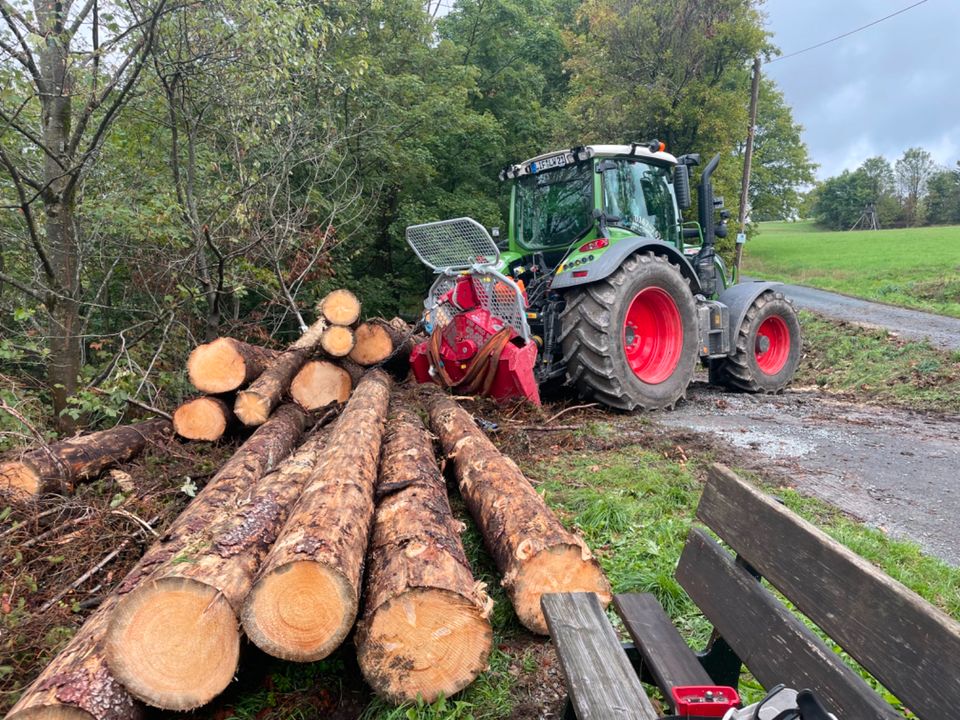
(781, 162)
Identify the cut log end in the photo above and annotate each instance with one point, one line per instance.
(51, 712)
(320, 383)
(217, 367)
(556, 569)
(252, 408)
(340, 307)
(337, 341)
(19, 479)
(203, 418)
(424, 642)
(301, 611)
(174, 643)
(373, 344)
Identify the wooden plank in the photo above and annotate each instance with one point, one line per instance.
(669, 659)
(907, 644)
(600, 680)
(771, 641)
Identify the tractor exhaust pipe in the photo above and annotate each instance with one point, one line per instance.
(705, 260)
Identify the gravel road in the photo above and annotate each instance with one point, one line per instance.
(939, 330)
(894, 469)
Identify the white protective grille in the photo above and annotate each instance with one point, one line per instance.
(457, 244)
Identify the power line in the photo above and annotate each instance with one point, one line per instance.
(846, 34)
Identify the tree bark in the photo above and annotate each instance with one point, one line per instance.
(226, 364)
(533, 551)
(77, 683)
(254, 405)
(340, 307)
(201, 590)
(203, 418)
(306, 595)
(59, 467)
(320, 383)
(425, 628)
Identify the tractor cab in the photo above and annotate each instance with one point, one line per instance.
(600, 282)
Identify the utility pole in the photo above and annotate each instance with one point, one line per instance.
(747, 159)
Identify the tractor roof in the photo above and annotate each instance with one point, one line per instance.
(560, 158)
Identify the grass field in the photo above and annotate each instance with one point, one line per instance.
(916, 267)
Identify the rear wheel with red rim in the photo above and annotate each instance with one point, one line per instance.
(631, 339)
(768, 346)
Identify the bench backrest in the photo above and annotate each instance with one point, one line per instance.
(909, 646)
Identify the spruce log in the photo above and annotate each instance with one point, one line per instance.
(376, 340)
(254, 405)
(340, 307)
(203, 418)
(226, 364)
(424, 629)
(337, 341)
(77, 684)
(153, 623)
(59, 467)
(306, 595)
(320, 383)
(533, 551)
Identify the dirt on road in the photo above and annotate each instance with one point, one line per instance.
(892, 468)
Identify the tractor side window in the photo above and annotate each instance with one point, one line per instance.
(554, 208)
(639, 195)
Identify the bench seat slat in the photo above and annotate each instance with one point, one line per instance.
(770, 640)
(899, 637)
(600, 680)
(670, 660)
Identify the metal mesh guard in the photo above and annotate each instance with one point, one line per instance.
(453, 244)
(497, 294)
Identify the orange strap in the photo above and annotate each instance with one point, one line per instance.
(482, 368)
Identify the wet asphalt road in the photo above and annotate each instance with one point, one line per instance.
(894, 469)
(939, 330)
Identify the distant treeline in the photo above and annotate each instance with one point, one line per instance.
(912, 191)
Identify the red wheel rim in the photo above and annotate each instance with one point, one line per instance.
(773, 345)
(652, 335)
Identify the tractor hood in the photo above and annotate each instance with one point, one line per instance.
(581, 153)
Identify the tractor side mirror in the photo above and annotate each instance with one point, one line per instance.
(681, 186)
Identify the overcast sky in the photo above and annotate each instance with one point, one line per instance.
(878, 92)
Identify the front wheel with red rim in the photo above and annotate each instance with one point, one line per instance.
(767, 350)
(630, 339)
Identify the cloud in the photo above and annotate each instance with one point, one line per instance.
(878, 92)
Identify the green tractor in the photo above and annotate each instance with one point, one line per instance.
(599, 282)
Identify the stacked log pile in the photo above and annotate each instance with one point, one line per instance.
(276, 544)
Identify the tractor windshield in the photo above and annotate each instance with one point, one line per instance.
(554, 208)
(636, 196)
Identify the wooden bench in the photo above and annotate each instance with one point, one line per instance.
(909, 646)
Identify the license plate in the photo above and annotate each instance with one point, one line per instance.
(549, 163)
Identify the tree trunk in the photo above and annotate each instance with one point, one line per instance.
(306, 595)
(59, 467)
(337, 341)
(340, 307)
(202, 591)
(226, 364)
(77, 680)
(376, 340)
(203, 418)
(254, 405)
(58, 204)
(425, 628)
(533, 551)
(320, 383)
